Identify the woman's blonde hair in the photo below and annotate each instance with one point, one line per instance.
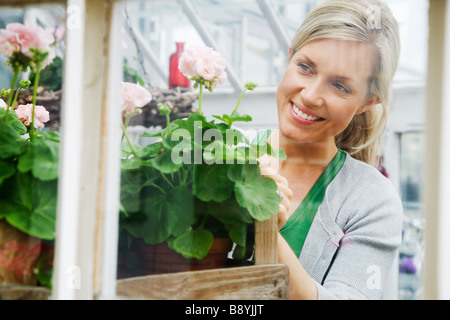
(371, 22)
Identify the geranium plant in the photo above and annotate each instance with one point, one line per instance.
(28, 154)
(201, 178)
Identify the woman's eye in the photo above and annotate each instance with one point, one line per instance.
(303, 67)
(341, 87)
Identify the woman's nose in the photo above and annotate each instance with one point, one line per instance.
(312, 93)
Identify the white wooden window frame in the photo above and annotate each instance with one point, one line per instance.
(87, 223)
(89, 206)
(437, 177)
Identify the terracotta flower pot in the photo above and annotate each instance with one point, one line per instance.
(18, 255)
(160, 259)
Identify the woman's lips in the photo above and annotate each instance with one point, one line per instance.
(304, 116)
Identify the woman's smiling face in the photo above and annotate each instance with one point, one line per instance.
(325, 84)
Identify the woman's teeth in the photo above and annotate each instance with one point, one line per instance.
(304, 115)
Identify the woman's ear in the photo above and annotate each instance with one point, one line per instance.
(369, 104)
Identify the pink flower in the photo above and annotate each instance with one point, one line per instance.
(18, 37)
(205, 63)
(41, 115)
(3, 104)
(134, 97)
(59, 32)
(7, 48)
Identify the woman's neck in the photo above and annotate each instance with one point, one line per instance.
(307, 156)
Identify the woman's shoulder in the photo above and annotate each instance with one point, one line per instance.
(358, 172)
(365, 184)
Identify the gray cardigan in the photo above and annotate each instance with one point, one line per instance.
(354, 238)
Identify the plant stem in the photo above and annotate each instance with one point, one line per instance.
(200, 96)
(158, 187)
(128, 140)
(36, 84)
(168, 124)
(16, 96)
(202, 224)
(167, 180)
(124, 127)
(239, 100)
(13, 85)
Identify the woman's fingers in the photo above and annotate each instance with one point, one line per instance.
(283, 189)
(282, 216)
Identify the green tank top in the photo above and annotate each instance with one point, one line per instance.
(297, 227)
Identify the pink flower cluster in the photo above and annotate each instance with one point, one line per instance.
(134, 97)
(41, 115)
(22, 38)
(204, 63)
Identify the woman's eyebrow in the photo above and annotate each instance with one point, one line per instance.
(309, 61)
(345, 79)
(337, 77)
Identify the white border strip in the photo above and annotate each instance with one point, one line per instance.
(65, 280)
(110, 226)
(443, 258)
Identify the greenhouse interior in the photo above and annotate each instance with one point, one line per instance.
(89, 192)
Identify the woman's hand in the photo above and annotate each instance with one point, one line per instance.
(269, 166)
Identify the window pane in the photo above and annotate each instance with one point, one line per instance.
(254, 36)
(32, 55)
(167, 223)
(411, 182)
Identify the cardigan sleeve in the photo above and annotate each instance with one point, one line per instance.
(370, 240)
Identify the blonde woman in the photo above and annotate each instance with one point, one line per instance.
(340, 219)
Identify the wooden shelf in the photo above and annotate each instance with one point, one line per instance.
(17, 292)
(267, 280)
(263, 282)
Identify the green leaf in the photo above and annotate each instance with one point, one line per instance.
(220, 153)
(158, 215)
(255, 192)
(11, 144)
(195, 124)
(180, 137)
(237, 233)
(139, 151)
(235, 117)
(237, 173)
(229, 212)
(42, 158)
(7, 169)
(211, 182)
(135, 178)
(158, 134)
(135, 163)
(29, 204)
(193, 244)
(239, 252)
(164, 163)
(152, 150)
(14, 121)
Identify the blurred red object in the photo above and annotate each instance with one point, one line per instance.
(176, 78)
(382, 168)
